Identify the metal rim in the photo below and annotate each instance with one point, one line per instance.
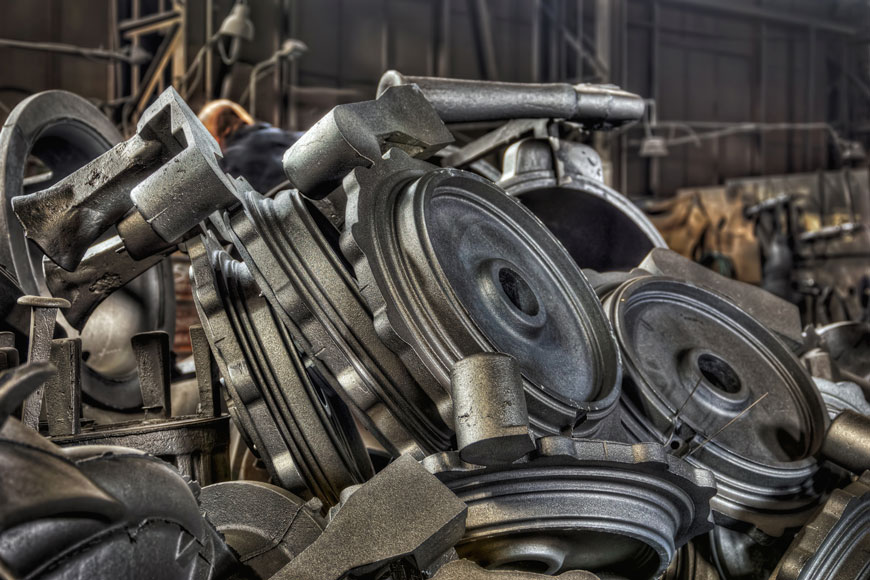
(65, 132)
(580, 504)
(434, 318)
(305, 443)
(309, 286)
(755, 487)
(833, 545)
(627, 233)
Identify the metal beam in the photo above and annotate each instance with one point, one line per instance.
(757, 13)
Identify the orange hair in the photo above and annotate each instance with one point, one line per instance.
(223, 117)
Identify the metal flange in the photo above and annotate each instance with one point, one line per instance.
(266, 526)
(307, 442)
(610, 508)
(451, 266)
(696, 364)
(314, 293)
(834, 544)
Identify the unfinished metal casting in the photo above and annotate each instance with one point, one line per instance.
(431, 363)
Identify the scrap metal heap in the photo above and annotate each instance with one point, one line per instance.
(446, 370)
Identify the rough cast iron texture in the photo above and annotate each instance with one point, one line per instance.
(168, 171)
(402, 514)
(467, 570)
(357, 134)
(265, 525)
(492, 422)
(461, 100)
(65, 132)
(451, 266)
(305, 279)
(694, 362)
(834, 544)
(100, 512)
(307, 446)
(611, 508)
(847, 442)
(562, 184)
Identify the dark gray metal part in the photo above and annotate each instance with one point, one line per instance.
(777, 315)
(63, 392)
(610, 508)
(65, 132)
(153, 361)
(168, 171)
(468, 570)
(266, 526)
(74, 513)
(207, 373)
(461, 100)
(451, 266)
(847, 442)
(489, 406)
(690, 564)
(562, 184)
(402, 514)
(692, 360)
(309, 444)
(16, 384)
(299, 270)
(43, 318)
(834, 544)
(357, 134)
(195, 446)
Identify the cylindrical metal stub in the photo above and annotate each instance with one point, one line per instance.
(847, 442)
(489, 407)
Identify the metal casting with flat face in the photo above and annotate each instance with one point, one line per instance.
(694, 364)
(451, 266)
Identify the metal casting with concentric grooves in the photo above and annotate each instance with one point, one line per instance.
(452, 266)
(65, 132)
(835, 544)
(695, 362)
(306, 443)
(606, 507)
(313, 292)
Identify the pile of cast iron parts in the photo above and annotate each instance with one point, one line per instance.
(446, 373)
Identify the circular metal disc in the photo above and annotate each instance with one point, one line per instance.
(451, 266)
(707, 378)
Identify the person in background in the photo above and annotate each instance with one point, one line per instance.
(251, 149)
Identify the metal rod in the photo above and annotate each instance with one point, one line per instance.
(728, 424)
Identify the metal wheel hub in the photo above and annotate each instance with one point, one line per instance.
(451, 266)
(695, 363)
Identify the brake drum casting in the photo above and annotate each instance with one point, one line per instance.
(695, 364)
(606, 507)
(451, 266)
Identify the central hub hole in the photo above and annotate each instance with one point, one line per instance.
(719, 373)
(518, 291)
